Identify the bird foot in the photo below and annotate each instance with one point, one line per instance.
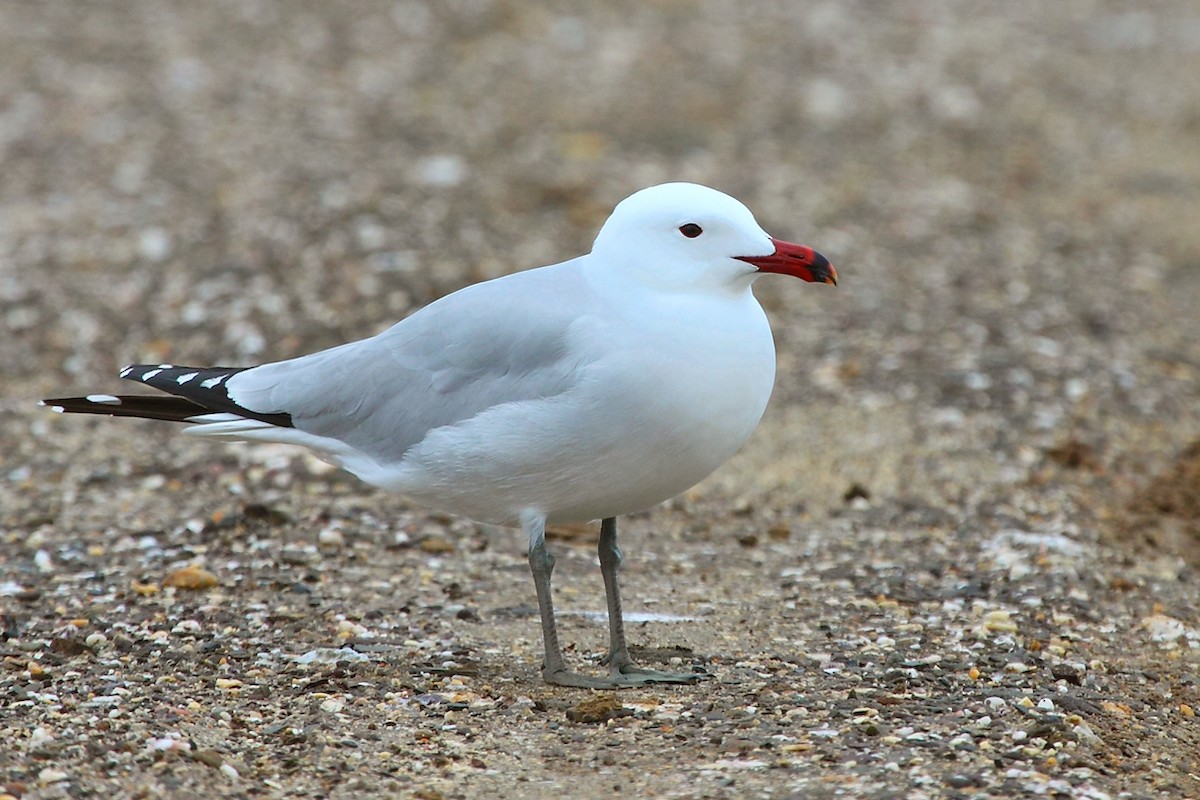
(627, 677)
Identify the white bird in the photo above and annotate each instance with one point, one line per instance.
(579, 391)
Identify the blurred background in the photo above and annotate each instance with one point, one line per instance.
(1010, 192)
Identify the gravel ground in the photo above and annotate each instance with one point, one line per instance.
(958, 559)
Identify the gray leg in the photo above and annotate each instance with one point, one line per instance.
(554, 667)
(610, 565)
(541, 564)
(620, 665)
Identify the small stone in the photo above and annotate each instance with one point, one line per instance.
(436, 545)
(192, 578)
(298, 556)
(68, 647)
(598, 709)
(1163, 628)
(330, 655)
(52, 775)
(962, 781)
(154, 244)
(999, 622)
(210, 757)
(331, 537)
(1069, 671)
(144, 589)
(779, 533)
(440, 171)
(1084, 733)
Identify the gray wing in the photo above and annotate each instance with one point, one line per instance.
(497, 342)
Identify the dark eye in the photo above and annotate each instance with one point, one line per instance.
(691, 230)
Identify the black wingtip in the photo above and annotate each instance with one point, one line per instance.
(169, 409)
(204, 386)
(192, 392)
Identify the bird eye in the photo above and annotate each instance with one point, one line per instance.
(691, 230)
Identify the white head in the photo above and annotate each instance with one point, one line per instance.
(686, 235)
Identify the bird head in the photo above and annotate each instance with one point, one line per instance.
(684, 234)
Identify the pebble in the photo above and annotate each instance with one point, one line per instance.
(999, 622)
(299, 556)
(600, 708)
(191, 578)
(155, 244)
(1163, 628)
(331, 537)
(52, 775)
(1072, 672)
(436, 545)
(329, 655)
(441, 171)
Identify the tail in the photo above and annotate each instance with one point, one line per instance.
(199, 394)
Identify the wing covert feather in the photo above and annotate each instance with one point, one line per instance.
(485, 345)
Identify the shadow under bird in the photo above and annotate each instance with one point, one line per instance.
(580, 391)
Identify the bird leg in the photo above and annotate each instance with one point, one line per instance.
(541, 563)
(620, 665)
(622, 672)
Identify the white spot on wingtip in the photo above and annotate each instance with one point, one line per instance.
(125, 372)
(148, 375)
(104, 399)
(212, 382)
(182, 379)
(58, 409)
(219, 416)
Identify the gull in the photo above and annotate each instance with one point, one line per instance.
(580, 391)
